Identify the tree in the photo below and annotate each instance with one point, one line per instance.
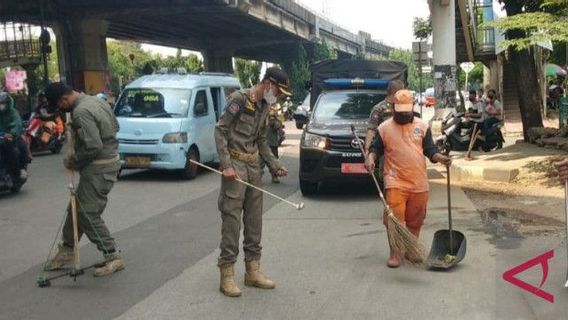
(248, 72)
(300, 74)
(527, 22)
(323, 51)
(422, 28)
(475, 77)
(413, 69)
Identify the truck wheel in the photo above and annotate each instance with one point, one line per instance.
(190, 170)
(308, 188)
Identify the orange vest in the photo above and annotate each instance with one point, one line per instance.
(405, 163)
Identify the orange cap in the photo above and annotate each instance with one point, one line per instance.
(403, 101)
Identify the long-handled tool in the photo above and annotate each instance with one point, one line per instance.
(400, 239)
(566, 212)
(298, 206)
(448, 246)
(474, 135)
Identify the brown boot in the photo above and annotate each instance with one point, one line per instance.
(65, 255)
(113, 264)
(228, 285)
(255, 278)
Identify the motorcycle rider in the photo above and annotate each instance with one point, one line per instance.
(12, 146)
(45, 115)
(493, 111)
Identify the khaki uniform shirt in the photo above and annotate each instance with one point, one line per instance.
(382, 111)
(242, 129)
(94, 131)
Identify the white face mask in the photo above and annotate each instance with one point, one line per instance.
(2, 107)
(269, 97)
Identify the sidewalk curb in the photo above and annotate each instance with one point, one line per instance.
(462, 171)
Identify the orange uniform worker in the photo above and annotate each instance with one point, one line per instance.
(404, 140)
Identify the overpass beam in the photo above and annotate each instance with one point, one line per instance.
(218, 59)
(444, 54)
(83, 54)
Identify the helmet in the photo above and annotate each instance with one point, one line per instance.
(3, 97)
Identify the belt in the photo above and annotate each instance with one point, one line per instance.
(106, 161)
(250, 158)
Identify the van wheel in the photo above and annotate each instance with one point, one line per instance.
(308, 188)
(190, 170)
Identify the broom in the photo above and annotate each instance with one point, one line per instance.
(400, 239)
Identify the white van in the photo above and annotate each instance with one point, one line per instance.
(167, 119)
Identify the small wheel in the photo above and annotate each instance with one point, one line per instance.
(190, 170)
(299, 126)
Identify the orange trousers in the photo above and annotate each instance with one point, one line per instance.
(408, 207)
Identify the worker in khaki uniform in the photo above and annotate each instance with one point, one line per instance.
(95, 157)
(240, 136)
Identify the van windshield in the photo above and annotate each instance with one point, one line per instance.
(346, 105)
(153, 103)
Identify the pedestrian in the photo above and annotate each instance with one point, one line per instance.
(240, 136)
(404, 140)
(273, 137)
(95, 157)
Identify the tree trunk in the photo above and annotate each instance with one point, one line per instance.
(527, 86)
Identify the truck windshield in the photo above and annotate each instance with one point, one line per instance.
(346, 105)
(153, 103)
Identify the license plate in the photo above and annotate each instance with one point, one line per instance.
(138, 162)
(353, 168)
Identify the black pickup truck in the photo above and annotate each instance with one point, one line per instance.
(343, 93)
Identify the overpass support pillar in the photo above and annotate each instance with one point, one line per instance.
(82, 53)
(444, 55)
(218, 60)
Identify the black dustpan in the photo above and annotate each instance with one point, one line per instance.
(448, 245)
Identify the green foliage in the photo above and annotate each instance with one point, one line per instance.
(299, 74)
(248, 72)
(324, 51)
(406, 57)
(128, 61)
(532, 21)
(422, 28)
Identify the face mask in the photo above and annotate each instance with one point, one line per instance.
(403, 117)
(2, 107)
(269, 97)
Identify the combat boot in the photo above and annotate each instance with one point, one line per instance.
(65, 255)
(255, 278)
(112, 264)
(228, 285)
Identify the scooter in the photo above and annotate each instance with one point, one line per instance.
(46, 139)
(457, 134)
(9, 182)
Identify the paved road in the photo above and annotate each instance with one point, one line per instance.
(328, 260)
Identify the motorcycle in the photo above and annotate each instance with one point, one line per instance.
(457, 135)
(9, 181)
(46, 138)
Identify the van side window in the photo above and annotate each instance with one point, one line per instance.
(200, 107)
(216, 95)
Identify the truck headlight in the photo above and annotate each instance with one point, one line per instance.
(314, 141)
(175, 137)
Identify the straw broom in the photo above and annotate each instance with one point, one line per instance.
(400, 239)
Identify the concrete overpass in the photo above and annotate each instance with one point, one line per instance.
(267, 30)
